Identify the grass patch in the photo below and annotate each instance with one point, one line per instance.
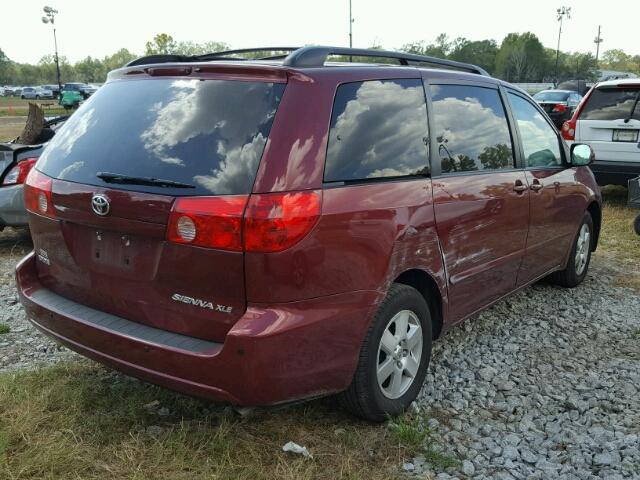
(52, 111)
(629, 280)
(17, 102)
(10, 131)
(617, 237)
(412, 434)
(79, 420)
(4, 328)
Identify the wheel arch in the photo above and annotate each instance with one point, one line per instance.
(428, 288)
(596, 215)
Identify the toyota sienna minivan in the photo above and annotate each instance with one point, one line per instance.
(268, 230)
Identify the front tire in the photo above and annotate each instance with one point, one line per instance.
(394, 357)
(579, 258)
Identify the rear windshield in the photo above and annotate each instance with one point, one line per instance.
(208, 134)
(612, 104)
(551, 96)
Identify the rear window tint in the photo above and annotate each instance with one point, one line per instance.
(611, 104)
(206, 133)
(378, 130)
(551, 96)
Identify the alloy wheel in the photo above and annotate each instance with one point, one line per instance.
(583, 246)
(399, 354)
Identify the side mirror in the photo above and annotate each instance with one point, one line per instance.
(581, 155)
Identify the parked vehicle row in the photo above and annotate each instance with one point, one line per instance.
(47, 91)
(214, 237)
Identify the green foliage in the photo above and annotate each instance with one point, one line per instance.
(91, 69)
(440, 48)
(481, 53)
(521, 58)
(162, 44)
(191, 48)
(4, 328)
(616, 59)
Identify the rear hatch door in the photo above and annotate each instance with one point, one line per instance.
(118, 165)
(610, 123)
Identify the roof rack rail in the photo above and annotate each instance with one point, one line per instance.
(311, 56)
(316, 56)
(223, 55)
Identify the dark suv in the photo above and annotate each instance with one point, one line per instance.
(271, 230)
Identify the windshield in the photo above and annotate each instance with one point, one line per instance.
(206, 133)
(551, 96)
(611, 104)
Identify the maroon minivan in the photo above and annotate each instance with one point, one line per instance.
(257, 232)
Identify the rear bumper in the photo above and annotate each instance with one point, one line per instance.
(614, 173)
(273, 354)
(12, 211)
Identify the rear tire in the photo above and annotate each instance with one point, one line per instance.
(579, 258)
(636, 225)
(390, 372)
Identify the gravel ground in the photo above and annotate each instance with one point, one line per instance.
(545, 385)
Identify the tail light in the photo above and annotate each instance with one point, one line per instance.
(568, 130)
(276, 221)
(271, 222)
(559, 108)
(18, 174)
(214, 222)
(37, 194)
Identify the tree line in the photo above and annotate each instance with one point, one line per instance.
(520, 57)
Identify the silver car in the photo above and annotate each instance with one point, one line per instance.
(16, 161)
(28, 93)
(36, 93)
(44, 92)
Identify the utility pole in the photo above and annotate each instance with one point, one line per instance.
(561, 12)
(598, 40)
(350, 26)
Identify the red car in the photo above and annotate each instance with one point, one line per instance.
(262, 231)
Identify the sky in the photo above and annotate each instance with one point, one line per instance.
(100, 28)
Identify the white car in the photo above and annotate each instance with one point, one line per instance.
(608, 120)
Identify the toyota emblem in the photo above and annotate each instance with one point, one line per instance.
(100, 205)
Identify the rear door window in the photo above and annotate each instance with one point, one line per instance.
(378, 130)
(209, 134)
(612, 104)
(472, 132)
(540, 142)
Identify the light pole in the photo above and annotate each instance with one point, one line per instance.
(562, 12)
(598, 40)
(49, 17)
